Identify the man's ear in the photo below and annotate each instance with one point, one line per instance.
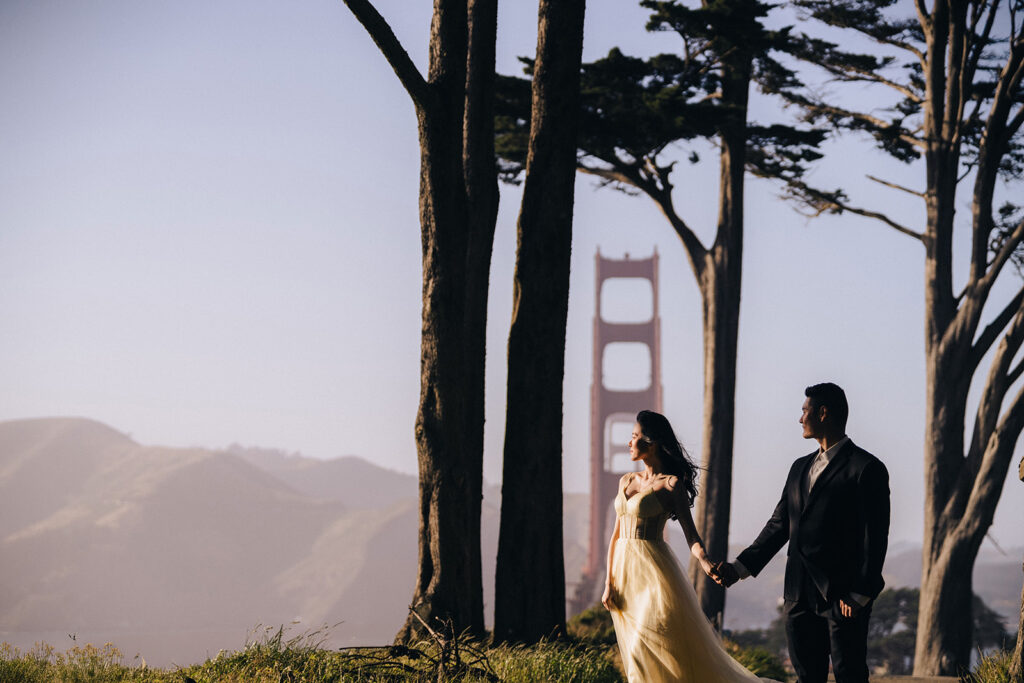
(822, 413)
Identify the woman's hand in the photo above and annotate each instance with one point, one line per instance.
(607, 598)
(711, 569)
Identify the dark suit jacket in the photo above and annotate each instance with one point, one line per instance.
(837, 536)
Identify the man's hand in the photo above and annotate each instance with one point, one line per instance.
(849, 608)
(725, 574)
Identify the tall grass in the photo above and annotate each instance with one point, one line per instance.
(991, 668)
(274, 658)
(270, 656)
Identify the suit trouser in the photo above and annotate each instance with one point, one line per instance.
(813, 632)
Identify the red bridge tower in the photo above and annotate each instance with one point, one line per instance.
(613, 412)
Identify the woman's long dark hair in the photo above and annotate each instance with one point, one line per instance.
(657, 432)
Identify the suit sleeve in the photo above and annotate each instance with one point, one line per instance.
(771, 539)
(873, 503)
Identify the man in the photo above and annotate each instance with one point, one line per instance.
(834, 513)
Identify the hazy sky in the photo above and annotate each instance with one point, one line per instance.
(209, 234)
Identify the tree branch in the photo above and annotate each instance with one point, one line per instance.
(922, 14)
(1006, 250)
(872, 77)
(662, 196)
(1015, 123)
(1013, 375)
(982, 42)
(838, 112)
(995, 464)
(897, 187)
(903, 46)
(990, 403)
(409, 76)
(991, 332)
(837, 205)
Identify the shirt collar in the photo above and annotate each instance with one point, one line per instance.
(833, 450)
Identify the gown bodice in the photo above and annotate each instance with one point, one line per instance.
(641, 516)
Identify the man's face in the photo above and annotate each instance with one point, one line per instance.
(810, 418)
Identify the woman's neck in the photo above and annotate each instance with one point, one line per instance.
(652, 468)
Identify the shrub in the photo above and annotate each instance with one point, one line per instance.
(991, 668)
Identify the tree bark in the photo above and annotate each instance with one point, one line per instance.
(963, 478)
(458, 205)
(530, 574)
(1017, 660)
(1016, 663)
(720, 282)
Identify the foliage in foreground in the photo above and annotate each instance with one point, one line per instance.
(991, 668)
(274, 659)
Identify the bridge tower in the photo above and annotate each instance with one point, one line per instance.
(613, 412)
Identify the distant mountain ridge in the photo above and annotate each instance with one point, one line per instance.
(178, 553)
(343, 479)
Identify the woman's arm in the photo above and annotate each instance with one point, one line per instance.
(681, 508)
(606, 598)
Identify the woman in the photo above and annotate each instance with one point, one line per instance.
(662, 633)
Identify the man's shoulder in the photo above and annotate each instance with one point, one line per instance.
(862, 458)
(801, 462)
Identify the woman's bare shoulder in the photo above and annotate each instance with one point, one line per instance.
(669, 482)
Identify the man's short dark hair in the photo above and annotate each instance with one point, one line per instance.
(832, 397)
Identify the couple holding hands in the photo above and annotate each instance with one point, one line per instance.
(833, 512)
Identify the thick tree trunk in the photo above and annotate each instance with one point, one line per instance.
(720, 289)
(530, 575)
(720, 280)
(944, 622)
(457, 208)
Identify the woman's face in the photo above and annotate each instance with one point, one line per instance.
(637, 451)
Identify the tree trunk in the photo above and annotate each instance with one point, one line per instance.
(720, 280)
(1016, 665)
(944, 622)
(530, 574)
(457, 208)
(1017, 661)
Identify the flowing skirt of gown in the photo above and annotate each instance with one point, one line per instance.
(662, 633)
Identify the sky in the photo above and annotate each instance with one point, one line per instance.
(209, 235)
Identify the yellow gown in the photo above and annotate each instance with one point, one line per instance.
(662, 633)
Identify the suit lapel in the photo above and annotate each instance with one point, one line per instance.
(829, 472)
(799, 492)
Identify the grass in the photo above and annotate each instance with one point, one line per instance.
(275, 659)
(991, 668)
(589, 655)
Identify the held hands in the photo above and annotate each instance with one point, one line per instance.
(724, 574)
